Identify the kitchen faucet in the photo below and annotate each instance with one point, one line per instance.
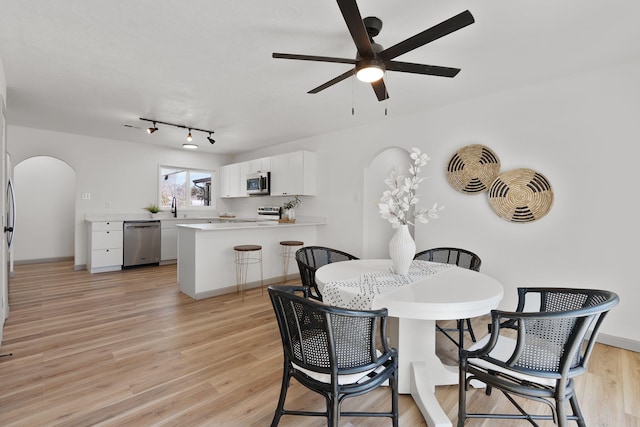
(174, 207)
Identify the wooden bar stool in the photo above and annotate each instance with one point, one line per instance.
(287, 250)
(245, 255)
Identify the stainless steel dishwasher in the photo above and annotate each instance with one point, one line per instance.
(141, 243)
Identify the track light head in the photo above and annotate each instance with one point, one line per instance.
(211, 140)
(189, 137)
(152, 129)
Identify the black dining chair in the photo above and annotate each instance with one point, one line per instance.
(311, 258)
(462, 258)
(336, 352)
(537, 354)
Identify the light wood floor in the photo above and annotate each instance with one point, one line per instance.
(126, 348)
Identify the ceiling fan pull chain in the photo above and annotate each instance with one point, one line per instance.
(353, 89)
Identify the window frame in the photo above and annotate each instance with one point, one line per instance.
(189, 170)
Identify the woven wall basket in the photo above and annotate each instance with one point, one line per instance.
(472, 169)
(521, 195)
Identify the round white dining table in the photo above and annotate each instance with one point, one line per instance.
(451, 293)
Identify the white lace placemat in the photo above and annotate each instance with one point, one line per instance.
(358, 292)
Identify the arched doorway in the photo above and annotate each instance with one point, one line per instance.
(45, 202)
(377, 232)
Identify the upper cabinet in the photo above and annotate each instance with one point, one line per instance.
(233, 180)
(260, 165)
(293, 174)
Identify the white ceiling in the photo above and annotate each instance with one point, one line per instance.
(90, 67)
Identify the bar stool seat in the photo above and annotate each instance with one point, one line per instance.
(245, 255)
(287, 251)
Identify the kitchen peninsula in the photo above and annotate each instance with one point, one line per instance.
(206, 260)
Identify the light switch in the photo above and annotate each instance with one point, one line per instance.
(85, 196)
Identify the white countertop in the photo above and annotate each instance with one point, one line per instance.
(268, 224)
(165, 216)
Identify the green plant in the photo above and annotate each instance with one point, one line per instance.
(292, 203)
(153, 208)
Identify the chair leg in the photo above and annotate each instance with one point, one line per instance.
(394, 397)
(460, 324)
(473, 336)
(576, 411)
(462, 396)
(334, 411)
(561, 410)
(286, 379)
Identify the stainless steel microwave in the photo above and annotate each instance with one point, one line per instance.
(258, 183)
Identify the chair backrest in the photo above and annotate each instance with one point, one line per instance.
(328, 339)
(310, 258)
(557, 340)
(460, 257)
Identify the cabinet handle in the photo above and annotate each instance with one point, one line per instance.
(108, 232)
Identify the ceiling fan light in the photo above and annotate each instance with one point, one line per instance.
(369, 71)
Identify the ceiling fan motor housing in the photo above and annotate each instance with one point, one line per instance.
(373, 25)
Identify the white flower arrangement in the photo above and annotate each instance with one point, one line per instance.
(396, 202)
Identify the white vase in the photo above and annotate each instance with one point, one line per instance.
(402, 249)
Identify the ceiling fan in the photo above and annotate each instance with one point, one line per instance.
(372, 59)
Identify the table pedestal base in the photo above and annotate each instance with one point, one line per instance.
(419, 368)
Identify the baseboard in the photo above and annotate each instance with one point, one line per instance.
(624, 343)
(232, 289)
(42, 260)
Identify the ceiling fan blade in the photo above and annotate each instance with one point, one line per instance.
(380, 89)
(331, 82)
(353, 19)
(442, 29)
(431, 70)
(313, 58)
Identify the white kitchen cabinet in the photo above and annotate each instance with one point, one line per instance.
(233, 180)
(260, 165)
(105, 246)
(169, 237)
(169, 242)
(294, 174)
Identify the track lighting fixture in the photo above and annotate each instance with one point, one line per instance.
(151, 130)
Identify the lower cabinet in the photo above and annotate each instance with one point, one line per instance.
(105, 246)
(169, 239)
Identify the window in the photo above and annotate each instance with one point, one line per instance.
(190, 187)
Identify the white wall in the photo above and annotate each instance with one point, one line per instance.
(45, 190)
(4, 278)
(122, 173)
(3, 84)
(581, 132)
